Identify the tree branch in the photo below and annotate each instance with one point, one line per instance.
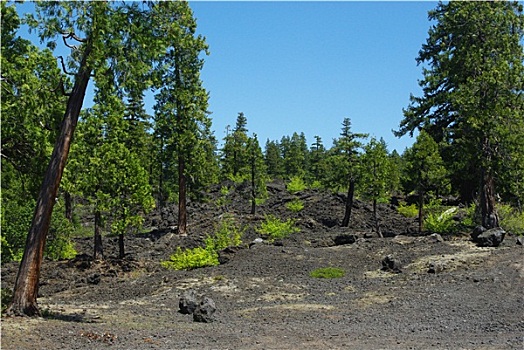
(63, 65)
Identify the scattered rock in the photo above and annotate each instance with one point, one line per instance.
(93, 279)
(520, 240)
(436, 238)
(490, 238)
(225, 255)
(389, 263)
(205, 311)
(256, 241)
(389, 234)
(477, 231)
(188, 302)
(345, 239)
(436, 267)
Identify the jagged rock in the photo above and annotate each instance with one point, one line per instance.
(435, 238)
(188, 302)
(477, 231)
(436, 267)
(390, 234)
(345, 239)
(93, 279)
(491, 238)
(520, 240)
(205, 311)
(389, 263)
(225, 255)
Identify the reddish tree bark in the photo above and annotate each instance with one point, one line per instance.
(26, 286)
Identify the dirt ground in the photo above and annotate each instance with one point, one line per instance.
(264, 294)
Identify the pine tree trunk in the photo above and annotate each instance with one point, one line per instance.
(98, 250)
(121, 247)
(253, 187)
(375, 218)
(420, 210)
(489, 214)
(68, 206)
(349, 203)
(182, 187)
(26, 286)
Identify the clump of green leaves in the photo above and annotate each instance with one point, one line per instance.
(408, 211)
(6, 297)
(275, 228)
(295, 205)
(227, 234)
(511, 219)
(223, 200)
(327, 272)
(441, 222)
(296, 184)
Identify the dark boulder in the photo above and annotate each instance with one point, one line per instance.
(477, 231)
(205, 311)
(225, 255)
(390, 264)
(345, 239)
(490, 238)
(188, 302)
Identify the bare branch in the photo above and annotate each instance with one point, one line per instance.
(66, 44)
(72, 35)
(63, 65)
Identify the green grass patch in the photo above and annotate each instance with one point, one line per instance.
(328, 272)
(275, 228)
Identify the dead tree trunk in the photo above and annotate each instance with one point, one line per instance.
(182, 188)
(26, 285)
(98, 251)
(489, 214)
(349, 203)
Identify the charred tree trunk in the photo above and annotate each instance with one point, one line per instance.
(98, 250)
(121, 247)
(68, 206)
(349, 203)
(26, 286)
(253, 187)
(182, 188)
(375, 218)
(420, 210)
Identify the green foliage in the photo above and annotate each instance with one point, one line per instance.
(511, 219)
(327, 272)
(227, 234)
(6, 296)
(441, 222)
(295, 205)
(59, 245)
(408, 211)
(295, 185)
(376, 170)
(223, 200)
(274, 228)
(188, 259)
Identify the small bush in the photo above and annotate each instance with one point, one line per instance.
(226, 235)
(511, 219)
(408, 211)
(316, 185)
(296, 185)
(275, 228)
(327, 272)
(441, 223)
(6, 297)
(295, 205)
(188, 259)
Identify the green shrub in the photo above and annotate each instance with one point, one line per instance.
(15, 222)
(441, 223)
(295, 185)
(188, 259)
(316, 185)
(511, 219)
(327, 272)
(6, 297)
(408, 211)
(226, 235)
(275, 228)
(59, 245)
(295, 205)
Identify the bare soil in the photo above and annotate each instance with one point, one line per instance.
(264, 294)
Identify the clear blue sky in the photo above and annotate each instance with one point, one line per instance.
(305, 66)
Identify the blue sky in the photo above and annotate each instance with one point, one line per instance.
(305, 66)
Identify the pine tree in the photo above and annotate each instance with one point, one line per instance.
(472, 92)
(273, 159)
(258, 172)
